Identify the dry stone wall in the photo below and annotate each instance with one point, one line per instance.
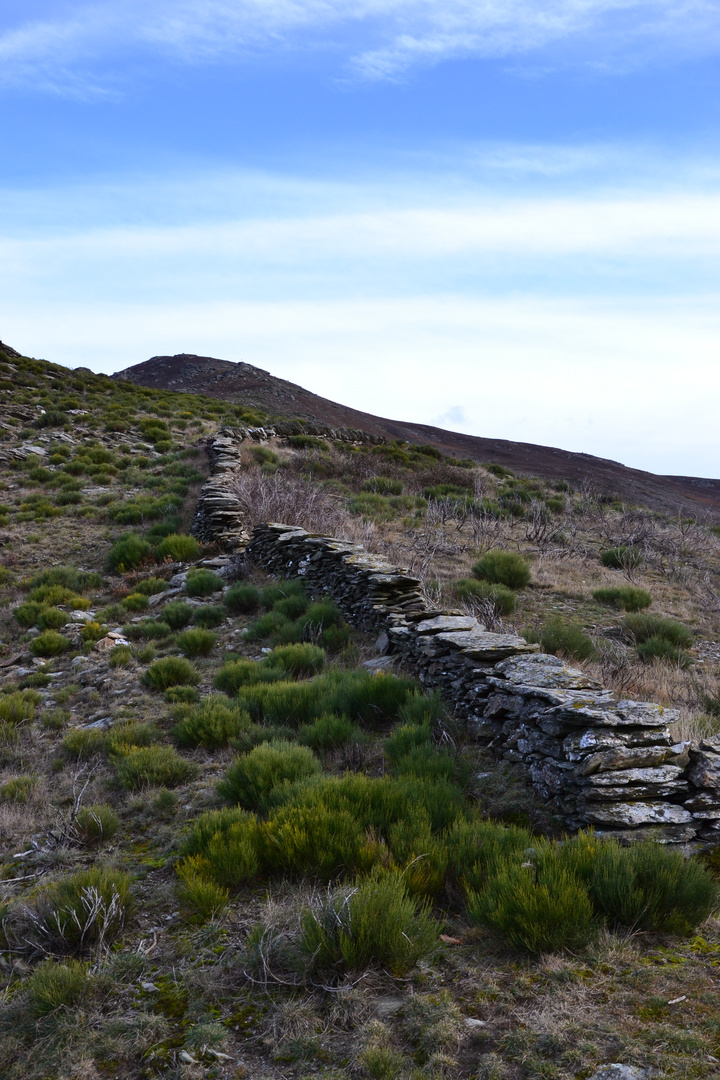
(597, 759)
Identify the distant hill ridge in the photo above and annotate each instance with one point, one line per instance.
(251, 385)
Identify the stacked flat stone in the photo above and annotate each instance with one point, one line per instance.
(597, 759)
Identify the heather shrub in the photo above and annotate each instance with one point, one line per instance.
(621, 558)
(128, 552)
(152, 766)
(374, 922)
(502, 567)
(626, 597)
(209, 615)
(202, 582)
(500, 596)
(170, 671)
(563, 637)
(52, 618)
(328, 732)
(49, 643)
(253, 779)
(242, 598)
(54, 986)
(179, 548)
(96, 824)
(177, 614)
(196, 642)
(212, 723)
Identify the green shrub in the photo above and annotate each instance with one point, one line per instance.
(18, 706)
(621, 558)
(87, 908)
(54, 986)
(177, 614)
(49, 643)
(70, 577)
(658, 648)
(242, 598)
(59, 594)
(537, 909)
(150, 586)
(626, 597)
(18, 789)
(170, 671)
(201, 582)
(128, 552)
(407, 738)
(503, 568)
(319, 617)
(253, 779)
(200, 898)
(383, 485)
(328, 732)
(280, 702)
(239, 673)
(563, 637)
(179, 548)
(278, 628)
(85, 743)
(27, 614)
(136, 602)
(152, 766)
(642, 627)
(281, 590)
(96, 824)
(369, 699)
(502, 598)
(297, 660)
(227, 843)
(120, 656)
(375, 922)
(209, 615)
(52, 618)
(211, 723)
(152, 629)
(196, 642)
(182, 695)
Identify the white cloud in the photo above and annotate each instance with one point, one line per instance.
(377, 39)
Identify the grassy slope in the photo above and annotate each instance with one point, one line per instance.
(172, 996)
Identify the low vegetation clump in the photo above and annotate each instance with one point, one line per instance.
(211, 723)
(202, 582)
(177, 614)
(253, 781)
(84, 910)
(55, 985)
(178, 547)
(18, 706)
(196, 642)
(242, 598)
(500, 597)
(170, 671)
(625, 557)
(501, 567)
(658, 638)
(129, 552)
(48, 644)
(564, 637)
(626, 597)
(151, 766)
(96, 824)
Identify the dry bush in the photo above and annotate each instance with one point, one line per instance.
(289, 498)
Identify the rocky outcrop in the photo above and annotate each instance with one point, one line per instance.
(597, 759)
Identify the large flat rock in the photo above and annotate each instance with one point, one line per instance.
(632, 814)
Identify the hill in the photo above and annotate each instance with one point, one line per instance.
(252, 386)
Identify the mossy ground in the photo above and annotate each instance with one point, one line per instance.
(177, 998)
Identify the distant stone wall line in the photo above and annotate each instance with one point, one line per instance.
(596, 759)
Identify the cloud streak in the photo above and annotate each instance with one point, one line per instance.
(71, 47)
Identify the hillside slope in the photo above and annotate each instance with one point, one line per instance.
(252, 386)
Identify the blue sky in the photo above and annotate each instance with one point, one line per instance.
(501, 217)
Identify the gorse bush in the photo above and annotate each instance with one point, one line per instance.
(49, 643)
(177, 614)
(500, 596)
(197, 642)
(170, 671)
(375, 922)
(212, 723)
(129, 552)
(179, 547)
(201, 582)
(252, 781)
(242, 598)
(626, 597)
(503, 568)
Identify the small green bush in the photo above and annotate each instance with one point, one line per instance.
(136, 602)
(179, 548)
(150, 629)
(242, 598)
(375, 922)
(563, 637)
(626, 597)
(27, 614)
(621, 558)
(200, 898)
(658, 648)
(239, 673)
(54, 986)
(96, 824)
(128, 552)
(52, 618)
(212, 723)
(70, 577)
(383, 485)
(120, 656)
(177, 614)
(297, 660)
(196, 642)
(85, 743)
(18, 706)
(252, 781)
(150, 586)
(49, 643)
(152, 766)
(18, 789)
(501, 598)
(642, 627)
(87, 908)
(170, 671)
(281, 590)
(59, 594)
(328, 732)
(201, 582)
(407, 738)
(209, 615)
(182, 695)
(502, 567)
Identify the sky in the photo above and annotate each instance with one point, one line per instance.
(497, 216)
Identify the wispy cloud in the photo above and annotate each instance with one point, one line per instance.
(71, 47)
